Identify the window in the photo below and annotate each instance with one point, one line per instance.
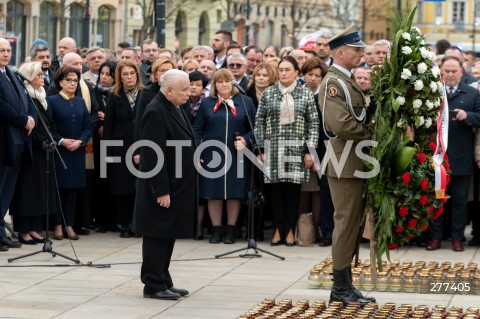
(75, 28)
(15, 27)
(103, 27)
(48, 23)
(458, 14)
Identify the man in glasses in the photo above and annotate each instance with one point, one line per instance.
(95, 58)
(149, 54)
(237, 63)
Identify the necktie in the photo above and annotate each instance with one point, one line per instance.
(5, 75)
(450, 91)
(47, 78)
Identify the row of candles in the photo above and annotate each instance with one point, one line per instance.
(285, 309)
(406, 276)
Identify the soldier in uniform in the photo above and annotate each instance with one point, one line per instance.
(343, 107)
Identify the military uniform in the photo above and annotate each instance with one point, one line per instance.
(343, 107)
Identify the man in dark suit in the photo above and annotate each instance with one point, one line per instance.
(237, 64)
(166, 199)
(464, 101)
(40, 52)
(17, 120)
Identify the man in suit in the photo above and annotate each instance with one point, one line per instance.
(17, 120)
(95, 58)
(149, 55)
(40, 52)
(165, 203)
(464, 101)
(221, 41)
(237, 65)
(345, 122)
(65, 45)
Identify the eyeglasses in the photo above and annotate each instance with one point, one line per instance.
(150, 50)
(127, 74)
(235, 65)
(40, 75)
(70, 80)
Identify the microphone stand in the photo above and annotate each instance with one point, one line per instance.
(251, 244)
(49, 147)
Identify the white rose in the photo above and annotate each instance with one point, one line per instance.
(433, 86)
(429, 104)
(428, 122)
(440, 86)
(422, 42)
(418, 85)
(420, 121)
(417, 103)
(424, 52)
(406, 74)
(435, 71)
(437, 102)
(400, 100)
(406, 50)
(400, 123)
(406, 36)
(417, 29)
(422, 68)
(431, 56)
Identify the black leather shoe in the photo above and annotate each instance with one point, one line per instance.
(82, 230)
(165, 295)
(181, 292)
(356, 291)
(3, 247)
(27, 242)
(475, 241)
(342, 289)
(6, 241)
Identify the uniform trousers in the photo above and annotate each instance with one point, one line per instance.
(157, 253)
(8, 180)
(347, 197)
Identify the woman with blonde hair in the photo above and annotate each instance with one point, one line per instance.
(29, 215)
(190, 65)
(263, 76)
(224, 117)
(118, 125)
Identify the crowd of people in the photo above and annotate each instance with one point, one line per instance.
(238, 96)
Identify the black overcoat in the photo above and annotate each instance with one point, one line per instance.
(460, 133)
(118, 125)
(162, 123)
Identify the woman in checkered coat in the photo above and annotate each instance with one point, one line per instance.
(286, 125)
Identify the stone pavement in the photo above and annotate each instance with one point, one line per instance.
(41, 287)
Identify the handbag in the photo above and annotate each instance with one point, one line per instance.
(305, 231)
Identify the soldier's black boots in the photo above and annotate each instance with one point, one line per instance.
(356, 291)
(342, 289)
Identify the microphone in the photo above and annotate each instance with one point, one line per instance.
(20, 75)
(235, 84)
(237, 135)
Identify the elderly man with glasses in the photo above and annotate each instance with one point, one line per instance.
(95, 58)
(237, 63)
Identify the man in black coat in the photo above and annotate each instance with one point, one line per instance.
(17, 120)
(464, 101)
(166, 194)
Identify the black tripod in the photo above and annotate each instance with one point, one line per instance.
(49, 147)
(252, 244)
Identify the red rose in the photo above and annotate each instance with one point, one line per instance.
(392, 246)
(438, 213)
(406, 178)
(433, 146)
(403, 211)
(445, 157)
(408, 238)
(444, 200)
(423, 200)
(421, 158)
(448, 179)
(399, 229)
(412, 223)
(447, 165)
(424, 227)
(424, 184)
(430, 210)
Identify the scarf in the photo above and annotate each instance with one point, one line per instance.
(104, 93)
(287, 107)
(85, 94)
(66, 97)
(40, 95)
(132, 96)
(195, 104)
(228, 102)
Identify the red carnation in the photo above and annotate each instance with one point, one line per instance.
(424, 227)
(438, 213)
(408, 238)
(421, 158)
(392, 246)
(445, 157)
(423, 200)
(448, 179)
(399, 229)
(412, 223)
(430, 210)
(406, 178)
(433, 146)
(447, 165)
(444, 200)
(403, 211)
(424, 184)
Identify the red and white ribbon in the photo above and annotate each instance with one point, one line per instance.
(441, 150)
